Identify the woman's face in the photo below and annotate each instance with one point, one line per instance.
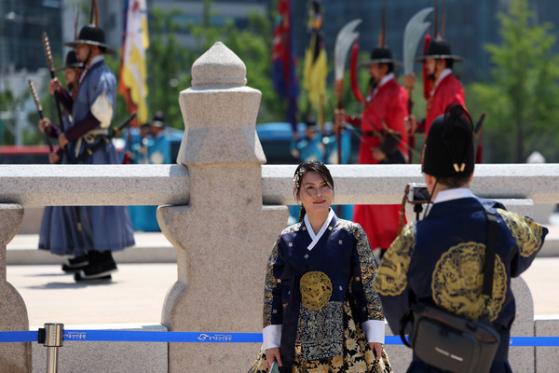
(315, 194)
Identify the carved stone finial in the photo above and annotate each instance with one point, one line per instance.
(218, 66)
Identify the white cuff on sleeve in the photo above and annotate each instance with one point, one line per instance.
(271, 336)
(102, 110)
(374, 330)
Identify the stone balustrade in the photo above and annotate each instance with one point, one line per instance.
(49, 185)
(222, 209)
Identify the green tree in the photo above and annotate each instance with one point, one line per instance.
(521, 101)
(253, 45)
(169, 61)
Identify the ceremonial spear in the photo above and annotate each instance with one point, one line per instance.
(39, 109)
(50, 63)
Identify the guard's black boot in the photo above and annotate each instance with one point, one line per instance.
(74, 265)
(100, 267)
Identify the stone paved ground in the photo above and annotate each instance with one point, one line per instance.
(137, 294)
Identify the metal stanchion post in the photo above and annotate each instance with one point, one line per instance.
(53, 340)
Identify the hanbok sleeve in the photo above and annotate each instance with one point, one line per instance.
(391, 282)
(529, 237)
(273, 310)
(366, 303)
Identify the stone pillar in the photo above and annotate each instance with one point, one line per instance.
(225, 234)
(14, 357)
(522, 359)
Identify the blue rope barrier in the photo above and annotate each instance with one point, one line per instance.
(18, 336)
(207, 337)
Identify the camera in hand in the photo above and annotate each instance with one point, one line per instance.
(418, 194)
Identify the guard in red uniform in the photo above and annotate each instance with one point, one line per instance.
(383, 140)
(447, 89)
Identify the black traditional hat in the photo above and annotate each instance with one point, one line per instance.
(92, 34)
(382, 55)
(439, 49)
(449, 148)
(71, 61)
(158, 120)
(310, 122)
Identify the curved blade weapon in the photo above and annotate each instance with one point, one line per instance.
(413, 33)
(415, 28)
(346, 37)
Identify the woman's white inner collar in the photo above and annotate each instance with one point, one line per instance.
(316, 237)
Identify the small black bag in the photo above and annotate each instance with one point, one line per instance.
(454, 343)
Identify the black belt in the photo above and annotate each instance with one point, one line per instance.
(370, 134)
(100, 141)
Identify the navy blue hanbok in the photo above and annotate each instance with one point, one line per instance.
(439, 261)
(320, 308)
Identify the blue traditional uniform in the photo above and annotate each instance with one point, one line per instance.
(439, 260)
(308, 148)
(159, 149)
(158, 152)
(319, 304)
(106, 228)
(59, 232)
(135, 145)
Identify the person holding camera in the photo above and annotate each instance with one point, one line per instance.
(446, 280)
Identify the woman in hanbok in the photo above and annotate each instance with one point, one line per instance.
(321, 313)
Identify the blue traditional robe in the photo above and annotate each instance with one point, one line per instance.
(59, 232)
(319, 304)
(104, 228)
(158, 152)
(439, 261)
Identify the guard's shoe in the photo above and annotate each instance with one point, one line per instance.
(76, 264)
(96, 271)
(101, 280)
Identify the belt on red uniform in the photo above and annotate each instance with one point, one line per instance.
(370, 134)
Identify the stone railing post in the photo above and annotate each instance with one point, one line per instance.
(14, 357)
(225, 234)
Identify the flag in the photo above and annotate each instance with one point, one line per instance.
(283, 63)
(315, 68)
(133, 71)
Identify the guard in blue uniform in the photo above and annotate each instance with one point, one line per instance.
(308, 147)
(157, 151)
(158, 145)
(439, 260)
(136, 144)
(104, 229)
(59, 232)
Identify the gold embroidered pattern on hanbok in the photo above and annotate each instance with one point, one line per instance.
(457, 282)
(526, 232)
(392, 275)
(320, 332)
(269, 285)
(368, 267)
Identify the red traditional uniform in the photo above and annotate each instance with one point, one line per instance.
(386, 107)
(448, 90)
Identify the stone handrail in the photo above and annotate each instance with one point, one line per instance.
(47, 185)
(222, 210)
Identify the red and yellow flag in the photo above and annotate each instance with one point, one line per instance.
(133, 71)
